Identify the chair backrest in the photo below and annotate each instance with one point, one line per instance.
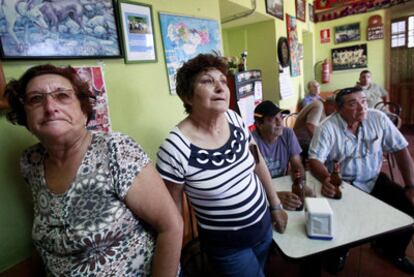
(389, 106)
(392, 110)
(290, 120)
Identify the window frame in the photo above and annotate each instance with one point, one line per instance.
(406, 34)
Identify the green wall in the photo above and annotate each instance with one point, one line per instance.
(375, 48)
(262, 37)
(140, 106)
(260, 42)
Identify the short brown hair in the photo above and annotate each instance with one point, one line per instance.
(16, 90)
(366, 71)
(187, 74)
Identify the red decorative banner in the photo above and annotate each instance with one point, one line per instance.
(332, 9)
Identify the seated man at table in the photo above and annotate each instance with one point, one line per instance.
(313, 93)
(356, 137)
(279, 147)
(308, 119)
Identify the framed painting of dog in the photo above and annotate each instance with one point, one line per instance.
(65, 29)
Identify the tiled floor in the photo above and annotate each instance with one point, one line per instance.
(362, 260)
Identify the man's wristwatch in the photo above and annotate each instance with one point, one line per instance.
(277, 207)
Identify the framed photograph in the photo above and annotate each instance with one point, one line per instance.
(311, 13)
(275, 8)
(65, 29)
(348, 32)
(350, 57)
(184, 37)
(300, 10)
(137, 32)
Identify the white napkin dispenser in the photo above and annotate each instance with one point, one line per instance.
(319, 218)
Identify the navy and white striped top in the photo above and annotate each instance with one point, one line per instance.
(220, 183)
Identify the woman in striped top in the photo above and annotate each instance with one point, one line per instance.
(207, 155)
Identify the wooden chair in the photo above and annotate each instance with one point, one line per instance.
(393, 111)
(194, 261)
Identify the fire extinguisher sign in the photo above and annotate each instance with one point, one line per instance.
(325, 36)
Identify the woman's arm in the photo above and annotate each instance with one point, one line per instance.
(149, 199)
(176, 192)
(279, 216)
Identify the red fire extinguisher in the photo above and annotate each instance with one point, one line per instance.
(326, 71)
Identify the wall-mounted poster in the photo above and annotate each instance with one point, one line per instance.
(351, 57)
(325, 35)
(375, 28)
(348, 32)
(63, 29)
(275, 8)
(293, 45)
(94, 76)
(184, 37)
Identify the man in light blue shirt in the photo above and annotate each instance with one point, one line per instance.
(356, 137)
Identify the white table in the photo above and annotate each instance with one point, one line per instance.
(357, 217)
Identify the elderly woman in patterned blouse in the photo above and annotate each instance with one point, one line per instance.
(207, 155)
(92, 191)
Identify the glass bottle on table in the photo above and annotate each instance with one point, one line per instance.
(336, 180)
(298, 188)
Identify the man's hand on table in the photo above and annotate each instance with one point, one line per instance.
(291, 201)
(309, 192)
(328, 189)
(279, 219)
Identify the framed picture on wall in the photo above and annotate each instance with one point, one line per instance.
(348, 32)
(311, 13)
(275, 8)
(350, 57)
(64, 29)
(300, 10)
(137, 32)
(184, 37)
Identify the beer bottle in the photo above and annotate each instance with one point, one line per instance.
(336, 180)
(298, 188)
